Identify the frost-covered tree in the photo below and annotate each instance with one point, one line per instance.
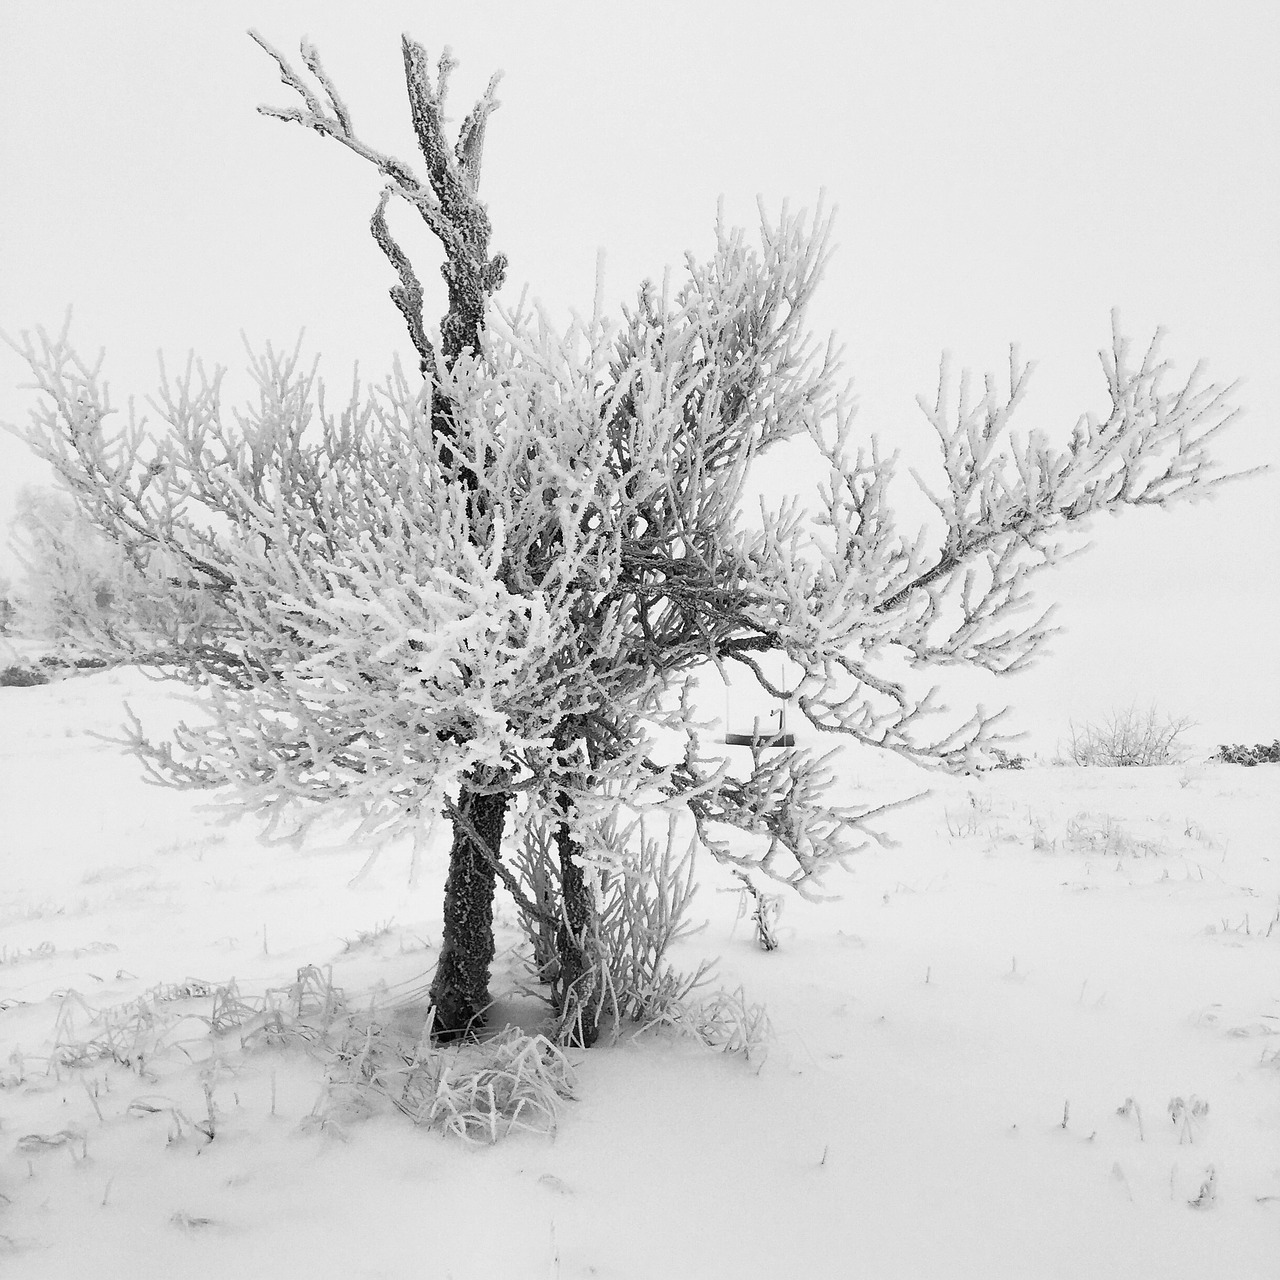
(483, 594)
(81, 589)
(8, 609)
(70, 571)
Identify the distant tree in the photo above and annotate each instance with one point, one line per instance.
(81, 589)
(8, 609)
(485, 594)
(63, 589)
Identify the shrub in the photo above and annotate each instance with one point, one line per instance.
(57, 662)
(18, 677)
(1258, 754)
(1008, 759)
(1129, 738)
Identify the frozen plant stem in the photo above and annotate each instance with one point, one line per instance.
(1130, 1105)
(93, 1099)
(210, 1129)
(1208, 1194)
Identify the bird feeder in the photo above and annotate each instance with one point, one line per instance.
(753, 718)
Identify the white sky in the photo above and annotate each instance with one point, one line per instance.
(1003, 172)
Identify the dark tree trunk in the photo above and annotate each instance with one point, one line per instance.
(460, 989)
(579, 998)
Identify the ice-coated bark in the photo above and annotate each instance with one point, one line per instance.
(577, 988)
(460, 989)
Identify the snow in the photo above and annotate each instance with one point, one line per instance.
(1042, 945)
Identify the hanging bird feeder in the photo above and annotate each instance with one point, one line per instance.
(755, 719)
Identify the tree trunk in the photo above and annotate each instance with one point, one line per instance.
(460, 989)
(579, 997)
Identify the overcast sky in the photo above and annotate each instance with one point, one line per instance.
(1003, 172)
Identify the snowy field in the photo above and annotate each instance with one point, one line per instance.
(1040, 1038)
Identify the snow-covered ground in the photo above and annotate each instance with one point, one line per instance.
(976, 1049)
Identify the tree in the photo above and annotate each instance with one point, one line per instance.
(82, 590)
(8, 610)
(69, 570)
(486, 594)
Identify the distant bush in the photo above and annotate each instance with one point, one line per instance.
(17, 677)
(998, 758)
(1259, 754)
(1008, 759)
(1129, 738)
(61, 662)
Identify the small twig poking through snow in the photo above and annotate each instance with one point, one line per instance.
(1208, 1194)
(1066, 1113)
(209, 1128)
(93, 1097)
(1131, 1106)
(555, 1253)
(189, 1222)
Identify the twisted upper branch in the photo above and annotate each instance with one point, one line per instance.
(447, 200)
